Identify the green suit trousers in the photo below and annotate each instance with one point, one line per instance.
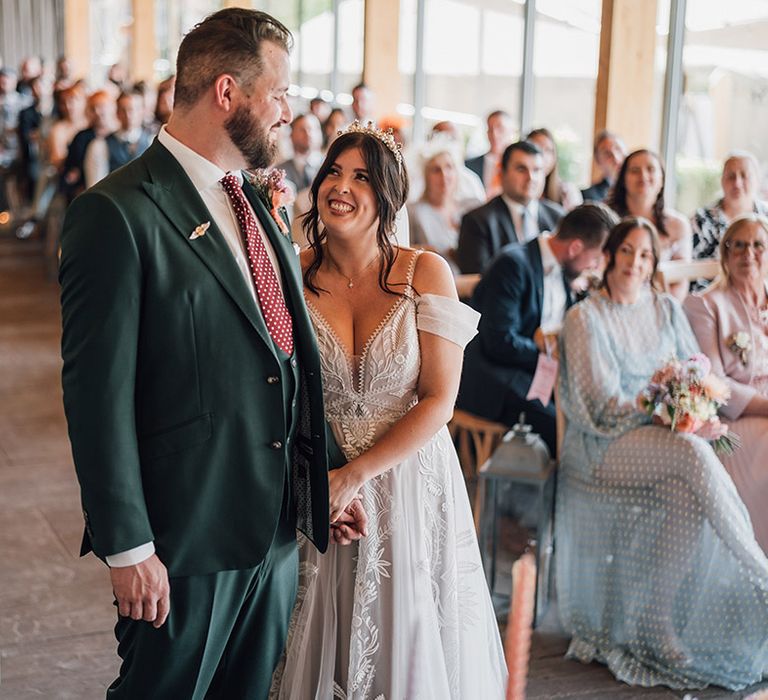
(224, 634)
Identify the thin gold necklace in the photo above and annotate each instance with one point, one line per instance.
(350, 280)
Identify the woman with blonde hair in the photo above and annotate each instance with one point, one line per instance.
(730, 320)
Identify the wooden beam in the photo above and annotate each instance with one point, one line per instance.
(625, 75)
(143, 44)
(380, 68)
(77, 32)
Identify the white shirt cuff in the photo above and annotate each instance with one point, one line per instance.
(131, 557)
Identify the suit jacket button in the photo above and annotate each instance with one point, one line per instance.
(273, 380)
(276, 445)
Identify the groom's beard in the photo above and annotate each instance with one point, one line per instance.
(250, 138)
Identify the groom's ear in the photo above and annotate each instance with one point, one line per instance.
(223, 89)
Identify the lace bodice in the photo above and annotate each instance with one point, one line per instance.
(364, 396)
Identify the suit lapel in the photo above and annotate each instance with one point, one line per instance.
(534, 256)
(507, 225)
(175, 195)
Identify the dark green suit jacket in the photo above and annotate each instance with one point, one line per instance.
(176, 418)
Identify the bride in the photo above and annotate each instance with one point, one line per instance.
(404, 612)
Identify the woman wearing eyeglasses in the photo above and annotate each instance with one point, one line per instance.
(730, 320)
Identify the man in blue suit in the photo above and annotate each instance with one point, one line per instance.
(522, 298)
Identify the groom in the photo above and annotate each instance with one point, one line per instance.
(192, 381)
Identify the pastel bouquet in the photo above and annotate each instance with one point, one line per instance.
(685, 395)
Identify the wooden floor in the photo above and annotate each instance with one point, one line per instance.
(56, 614)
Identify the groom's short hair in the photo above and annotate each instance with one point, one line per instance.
(228, 41)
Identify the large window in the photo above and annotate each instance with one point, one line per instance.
(472, 58)
(724, 104)
(566, 51)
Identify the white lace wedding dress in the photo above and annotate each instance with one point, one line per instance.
(405, 613)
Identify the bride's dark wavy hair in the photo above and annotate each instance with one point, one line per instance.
(389, 183)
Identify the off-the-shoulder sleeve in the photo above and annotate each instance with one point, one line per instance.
(446, 317)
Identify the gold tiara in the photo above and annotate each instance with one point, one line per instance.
(386, 137)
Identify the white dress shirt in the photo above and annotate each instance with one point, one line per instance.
(554, 297)
(524, 217)
(205, 177)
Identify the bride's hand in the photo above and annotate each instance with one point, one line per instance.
(343, 486)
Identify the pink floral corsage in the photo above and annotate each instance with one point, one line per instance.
(275, 193)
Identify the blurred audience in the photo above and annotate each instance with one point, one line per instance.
(730, 320)
(555, 189)
(740, 181)
(518, 214)
(435, 217)
(102, 117)
(609, 152)
(500, 133)
(320, 108)
(523, 298)
(639, 192)
(70, 104)
(109, 152)
(362, 103)
(336, 121)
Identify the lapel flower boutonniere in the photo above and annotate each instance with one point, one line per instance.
(741, 344)
(275, 192)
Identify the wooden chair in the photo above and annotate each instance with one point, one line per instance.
(465, 285)
(673, 271)
(476, 438)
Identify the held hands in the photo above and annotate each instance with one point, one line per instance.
(142, 591)
(351, 525)
(343, 486)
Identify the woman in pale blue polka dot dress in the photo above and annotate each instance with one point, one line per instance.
(659, 575)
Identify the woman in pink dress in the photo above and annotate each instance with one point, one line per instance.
(730, 320)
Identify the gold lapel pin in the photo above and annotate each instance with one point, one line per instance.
(199, 232)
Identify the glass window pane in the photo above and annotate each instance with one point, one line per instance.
(725, 100)
(472, 62)
(566, 52)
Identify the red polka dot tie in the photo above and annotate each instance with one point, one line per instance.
(276, 315)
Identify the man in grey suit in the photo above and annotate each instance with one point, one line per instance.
(306, 139)
(517, 215)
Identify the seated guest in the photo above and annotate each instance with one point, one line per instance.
(434, 218)
(320, 108)
(639, 191)
(469, 188)
(741, 183)
(522, 299)
(501, 132)
(100, 109)
(103, 155)
(658, 572)
(306, 139)
(332, 125)
(516, 215)
(555, 189)
(70, 104)
(609, 153)
(737, 304)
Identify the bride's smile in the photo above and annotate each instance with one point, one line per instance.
(346, 201)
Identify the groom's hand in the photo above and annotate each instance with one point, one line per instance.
(351, 525)
(142, 591)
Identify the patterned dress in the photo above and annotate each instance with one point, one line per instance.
(659, 575)
(405, 612)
